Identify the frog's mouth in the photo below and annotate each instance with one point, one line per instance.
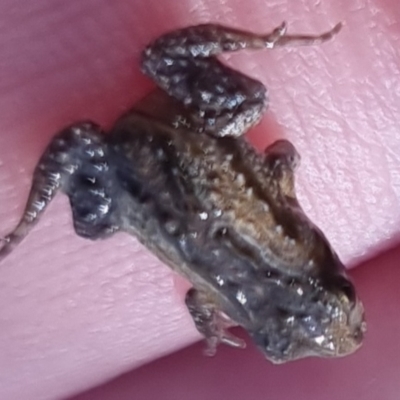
(342, 337)
(346, 333)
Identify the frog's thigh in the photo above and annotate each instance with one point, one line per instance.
(217, 99)
(93, 192)
(210, 322)
(75, 162)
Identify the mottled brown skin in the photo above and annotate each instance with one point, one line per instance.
(177, 173)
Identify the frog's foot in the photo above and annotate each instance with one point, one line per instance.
(210, 322)
(279, 37)
(75, 162)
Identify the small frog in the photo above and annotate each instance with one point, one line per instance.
(177, 173)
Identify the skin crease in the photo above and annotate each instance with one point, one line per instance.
(74, 313)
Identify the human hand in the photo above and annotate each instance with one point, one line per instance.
(75, 313)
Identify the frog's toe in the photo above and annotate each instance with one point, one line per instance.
(224, 337)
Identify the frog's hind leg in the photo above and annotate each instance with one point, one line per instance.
(210, 322)
(74, 162)
(220, 100)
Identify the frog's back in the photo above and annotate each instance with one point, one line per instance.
(197, 192)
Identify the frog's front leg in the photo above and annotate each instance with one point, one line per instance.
(76, 162)
(221, 100)
(282, 159)
(210, 322)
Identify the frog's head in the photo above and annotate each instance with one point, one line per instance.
(311, 316)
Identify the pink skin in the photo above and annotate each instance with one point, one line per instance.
(74, 313)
